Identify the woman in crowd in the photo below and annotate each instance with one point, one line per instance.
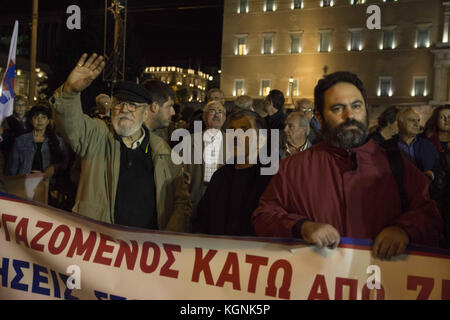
(437, 129)
(14, 125)
(40, 150)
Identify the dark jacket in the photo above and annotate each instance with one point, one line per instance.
(219, 212)
(426, 156)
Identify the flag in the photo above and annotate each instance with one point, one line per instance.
(7, 84)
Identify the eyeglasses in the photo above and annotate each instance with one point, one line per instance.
(214, 111)
(132, 106)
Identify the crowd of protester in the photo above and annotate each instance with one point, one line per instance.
(335, 179)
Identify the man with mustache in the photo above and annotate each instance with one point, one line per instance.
(344, 186)
(127, 175)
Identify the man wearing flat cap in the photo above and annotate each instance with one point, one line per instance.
(127, 175)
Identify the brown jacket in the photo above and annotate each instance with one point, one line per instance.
(93, 140)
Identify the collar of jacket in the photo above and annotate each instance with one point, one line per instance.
(369, 147)
(157, 145)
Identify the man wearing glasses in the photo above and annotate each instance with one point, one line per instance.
(127, 175)
(209, 146)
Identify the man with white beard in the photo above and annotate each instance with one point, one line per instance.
(127, 175)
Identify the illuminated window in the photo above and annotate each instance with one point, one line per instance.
(388, 39)
(297, 4)
(422, 37)
(325, 41)
(419, 86)
(357, 1)
(241, 45)
(296, 43)
(355, 40)
(326, 3)
(385, 87)
(243, 6)
(270, 5)
(267, 44)
(238, 87)
(265, 87)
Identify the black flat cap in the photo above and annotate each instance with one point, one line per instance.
(131, 91)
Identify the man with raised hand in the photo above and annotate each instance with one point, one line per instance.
(344, 186)
(127, 175)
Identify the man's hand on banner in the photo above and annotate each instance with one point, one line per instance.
(390, 242)
(84, 73)
(49, 172)
(320, 234)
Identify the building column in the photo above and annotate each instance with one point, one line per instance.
(437, 83)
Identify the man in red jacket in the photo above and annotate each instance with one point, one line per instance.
(344, 186)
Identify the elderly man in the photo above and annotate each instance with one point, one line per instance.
(244, 102)
(297, 130)
(344, 186)
(215, 94)
(127, 175)
(209, 147)
(235, 188)
(420, 151)
(103, 107)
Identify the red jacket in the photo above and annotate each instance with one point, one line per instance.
(353, 190)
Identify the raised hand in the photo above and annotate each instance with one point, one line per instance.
(84, 73)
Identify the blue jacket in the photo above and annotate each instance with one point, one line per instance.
(426, 156)
(21, 159)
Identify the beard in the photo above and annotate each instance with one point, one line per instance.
(125, 131)
(344, 138)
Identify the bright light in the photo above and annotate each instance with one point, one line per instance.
(19, 72)
(210, 78)
(321, 3)
(428, 43)
(413, 92)
(349, 47)
(219, 72)
(379, 92)
(415, 44)
(425, 93)
(390, 92)
(360, 47)
(381, 46)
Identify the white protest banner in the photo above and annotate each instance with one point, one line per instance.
(41, 247)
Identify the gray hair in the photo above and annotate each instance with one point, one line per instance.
(244, 102)
(302, 120)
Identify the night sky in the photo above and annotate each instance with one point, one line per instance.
(166, 32)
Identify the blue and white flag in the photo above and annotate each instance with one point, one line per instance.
(7, 84)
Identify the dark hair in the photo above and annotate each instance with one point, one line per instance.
(387, 117)
(332, 79)
(431, 125)
(56, 153)
(159, 91)
(260, 123)
(277, 98)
